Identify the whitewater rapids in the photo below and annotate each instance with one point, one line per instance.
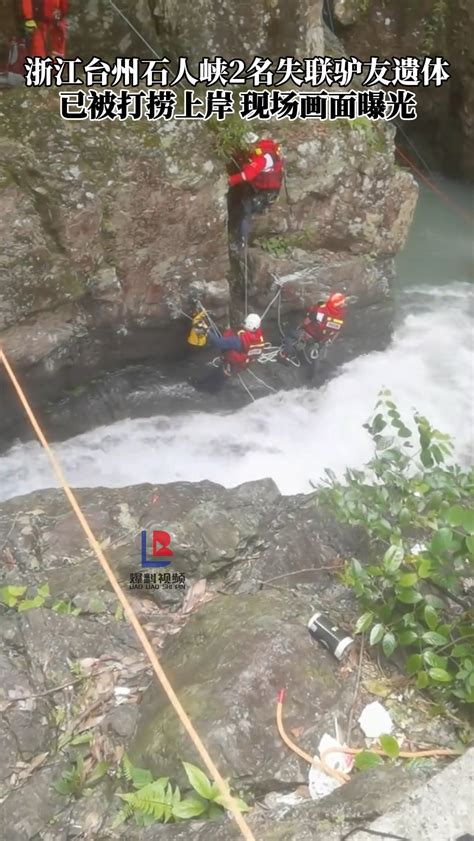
(291, 436)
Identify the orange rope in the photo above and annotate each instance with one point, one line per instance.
(341, 776)
(131, 616)
(468, 217)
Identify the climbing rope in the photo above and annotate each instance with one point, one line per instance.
(129, 611)
(468, 217)
(262, 382)
(246, 296)
(340, 776)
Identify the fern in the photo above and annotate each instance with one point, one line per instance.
(155, 799)
(139, 777)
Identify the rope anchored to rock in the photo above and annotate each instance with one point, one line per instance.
(341, 776)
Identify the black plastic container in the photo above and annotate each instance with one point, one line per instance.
(324, 631)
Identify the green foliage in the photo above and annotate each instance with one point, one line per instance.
(66, 608)
(415, 506)
(13, 596)
(276, 246)
(78, 780)
(157, 801)
(230, 136)
(435, 24)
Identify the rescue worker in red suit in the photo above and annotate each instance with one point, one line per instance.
(238, 349)
(45, 27)
(321, 325)
(255, 186)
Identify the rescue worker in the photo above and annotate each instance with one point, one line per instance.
(45, 27)
(238, 349)
(321, 325)
(255, 186)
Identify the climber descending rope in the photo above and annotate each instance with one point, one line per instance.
(306, 345)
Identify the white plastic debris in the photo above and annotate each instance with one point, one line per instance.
(375, 721)
(321, 784)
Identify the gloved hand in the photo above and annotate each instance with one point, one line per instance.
(30, 26)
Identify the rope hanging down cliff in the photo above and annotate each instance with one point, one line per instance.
(129, 612)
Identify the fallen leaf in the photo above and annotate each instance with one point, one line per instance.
(194, 595)
(377, 687)
(32, 766)
(297, 732)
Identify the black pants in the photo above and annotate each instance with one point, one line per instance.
(246, 201)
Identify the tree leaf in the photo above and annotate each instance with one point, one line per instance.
(407, 637)
(407, 579)
(366, 760)
(434, 660)
(424, 568)
(392, 559)
(441, 542)
(433, 638)
(364, 622)
(390, 745)
(241, 805)
(470, 545)
(468, 520)
(422, 680)
(454, 515)
(389, 644)
(408, 596)
(376, 634)
(189, 808)
(43, 591)
(198, 780)
(431, 617)
(29, 604)
(413, 664)
(440, 675)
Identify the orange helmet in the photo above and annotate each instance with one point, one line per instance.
(337, 300)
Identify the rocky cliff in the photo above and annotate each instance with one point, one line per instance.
(256, 567)
(110, 229)
(445, 128)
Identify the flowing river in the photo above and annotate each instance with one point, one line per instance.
(294, 435)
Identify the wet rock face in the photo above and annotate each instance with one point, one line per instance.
(445, 128)
(204, 28)
(227, 654)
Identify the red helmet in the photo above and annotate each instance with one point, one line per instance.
(337, 301)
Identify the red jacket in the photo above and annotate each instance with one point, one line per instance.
(252, 345)
(264, 170)
(43, 10)
(323, 322)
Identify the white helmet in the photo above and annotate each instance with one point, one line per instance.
(250, 138)
(252, 322)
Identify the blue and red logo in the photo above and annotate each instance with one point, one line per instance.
(160, 541)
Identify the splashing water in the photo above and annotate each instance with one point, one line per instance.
(291, 436)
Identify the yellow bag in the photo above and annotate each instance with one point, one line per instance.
(198, 333)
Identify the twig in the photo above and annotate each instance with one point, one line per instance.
(356, 691)
(374, 832)
(59, 688)
(300, 571)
